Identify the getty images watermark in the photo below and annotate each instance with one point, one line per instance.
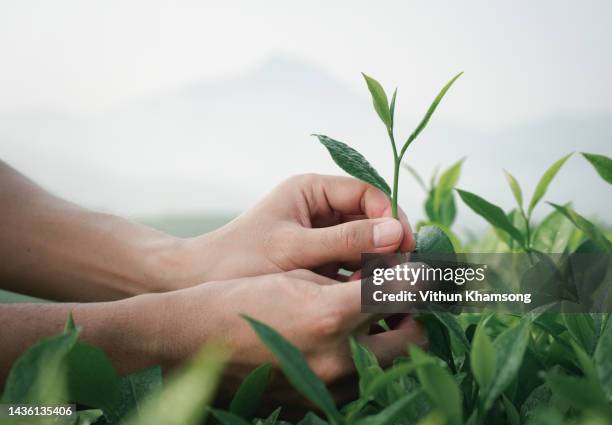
(513, 282)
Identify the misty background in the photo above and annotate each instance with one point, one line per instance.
(192, 111)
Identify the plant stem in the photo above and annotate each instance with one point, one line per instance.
(396, 166)
(394, 195)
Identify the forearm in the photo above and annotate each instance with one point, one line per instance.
(127, 330)
(53, 249)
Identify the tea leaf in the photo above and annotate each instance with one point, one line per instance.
(492, 213)
(228, 418)
(365, 362)
(440, 387)
(296, 369)
(134, 389)
(390, 414)
(88, 417)
(428, 114)
(509, 347)
(92, 380)
(553, 234)
(379, 99)
(38, 376)
(516, 189)
(447, 182)
(432, 240)
(483, 360)
(582, 330)
(454, 327)
(353, 163)
(577, 392)
(416, 175)
(513, 416)
(585, 225)
(544, 182)
(602, 164)
(602, 356)
(250, 392)
(392, 107)
(186, 394)
(311, 419)
(272, 418)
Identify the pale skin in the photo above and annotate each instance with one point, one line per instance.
(148, 298)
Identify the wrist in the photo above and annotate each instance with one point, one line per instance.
(129, 331)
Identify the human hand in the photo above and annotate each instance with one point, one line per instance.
(315, 313)
(309, 221)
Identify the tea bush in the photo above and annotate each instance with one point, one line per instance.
(480, 368)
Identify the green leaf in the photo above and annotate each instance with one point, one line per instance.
(510, 348)
(483, 358)
(454, 327)
(602, 164)
(379, 99)
(365, 362)
(553, 234)
(92, 380)
(544, 182)
(296, 369)
(447, 182)
(186, 394)
(354, 163)
(432, 240)
(428, 114)
(586, 226)
(416, 175)
(440, 387)
(390, 414)
(228, 418)
(513, 416)
(272, 418)
(38, 376)
(580, 326)
(312, 419)
(492, 213)
(88, 417)
(250, 392)
(601, 358)
(577, 392)
(134, 389)
(586, 364)
(392, 107)
(516, 189)
(384, 379)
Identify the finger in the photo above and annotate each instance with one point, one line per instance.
(346, 242)
(347, 196)
(310, 276)
(351, 197)
(388, 345)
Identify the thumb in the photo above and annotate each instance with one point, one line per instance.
(347, 241)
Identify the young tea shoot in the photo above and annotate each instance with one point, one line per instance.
(356, 165)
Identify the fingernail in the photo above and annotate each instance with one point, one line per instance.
(387, 233)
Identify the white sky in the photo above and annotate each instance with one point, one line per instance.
(529, 59)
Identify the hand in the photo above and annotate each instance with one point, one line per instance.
(315, 313)
(313, 222)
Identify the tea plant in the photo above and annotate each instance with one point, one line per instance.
(356, 165)
(538, 369)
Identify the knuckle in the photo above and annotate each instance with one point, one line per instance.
(329, 367)
(330, 323)
(350, 237)
(303, 179)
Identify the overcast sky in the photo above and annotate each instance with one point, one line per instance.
(146, 107)
(525, 59)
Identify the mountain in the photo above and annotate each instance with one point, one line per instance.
(221, 145)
